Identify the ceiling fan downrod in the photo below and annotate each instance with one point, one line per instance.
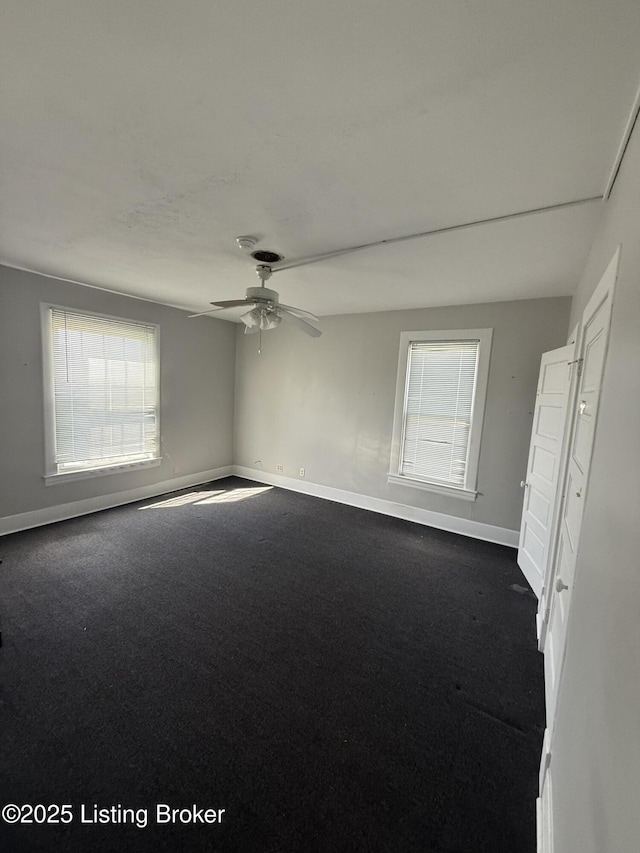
(265, 315)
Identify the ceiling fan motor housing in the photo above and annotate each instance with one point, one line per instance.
(262, 294)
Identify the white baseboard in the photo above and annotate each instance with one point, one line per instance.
(61, 512)
(464, 526)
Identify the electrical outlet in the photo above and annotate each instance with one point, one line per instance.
(302, 472)
(279, 468)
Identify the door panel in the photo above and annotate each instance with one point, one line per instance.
(538, 506)
(532, 545)
(553, 378)
(543, 464)
(572, 518)
(582, 446)
(549, 421)
(593, 359)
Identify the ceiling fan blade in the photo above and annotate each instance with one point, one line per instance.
(232, 303)
(299, 311)
(299, 322)
(202, 313)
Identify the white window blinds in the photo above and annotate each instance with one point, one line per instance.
(105, 390)
(438, 408)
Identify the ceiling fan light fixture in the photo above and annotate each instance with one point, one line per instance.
(252, 318)
(262, 318)
(269, 320)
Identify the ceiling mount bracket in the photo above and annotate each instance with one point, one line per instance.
(263, 272)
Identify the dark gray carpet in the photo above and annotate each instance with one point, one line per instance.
(334, 679)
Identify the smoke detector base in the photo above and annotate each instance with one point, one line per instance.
(246, 243)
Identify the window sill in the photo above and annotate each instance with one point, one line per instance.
(102, 471)
(438, 488)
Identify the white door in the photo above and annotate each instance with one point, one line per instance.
(594, 336)
(544, 466)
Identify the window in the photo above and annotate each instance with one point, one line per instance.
(101, 394)
(442, 382)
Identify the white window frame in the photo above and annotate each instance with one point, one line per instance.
(51, 475)
(468, 490)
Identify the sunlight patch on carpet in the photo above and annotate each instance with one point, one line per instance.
(209, 497)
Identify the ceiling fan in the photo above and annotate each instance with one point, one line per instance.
(265, 311)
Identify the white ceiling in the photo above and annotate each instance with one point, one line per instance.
(140, 138)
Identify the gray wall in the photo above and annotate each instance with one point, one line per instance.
(596, 749)
(196, 384)
(327, 404)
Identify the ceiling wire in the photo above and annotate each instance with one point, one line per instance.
(313, 259)
(624, 143)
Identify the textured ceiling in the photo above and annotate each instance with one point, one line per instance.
(139, 139)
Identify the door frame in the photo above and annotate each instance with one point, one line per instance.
(604, 289)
